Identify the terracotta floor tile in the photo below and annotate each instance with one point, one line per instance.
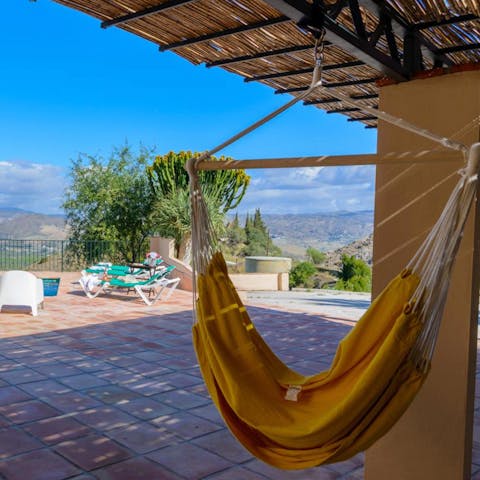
(71, 402)
(57, 370)
(189, 461)
(57, 429)
(10, 395)
(92, 365)
(149, 369)
(123, 360)
(237, 473)
(44, 388)
(37, 465)
(92, 452)
(105, 418)
(143, 437)
(180, 380)
(8, 365)
(14, 441)
(30, 411)
(181, 399)
(209, 412)
(120, 376)
(113, 394)
(136, 468)
(4, 422)
(320, 473)
(149, 386)
(152, 356)
(185, 425)
(83, 381)
(224, 444)
(21, 375)
(145, 408)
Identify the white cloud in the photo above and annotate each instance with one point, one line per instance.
(31, 186)
(309, 190)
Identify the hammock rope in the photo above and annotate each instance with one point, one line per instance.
(293, 421)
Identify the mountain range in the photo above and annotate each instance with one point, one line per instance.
(336, 233)
(294, 233)
(16, 223)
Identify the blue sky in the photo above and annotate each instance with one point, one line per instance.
(67, 86)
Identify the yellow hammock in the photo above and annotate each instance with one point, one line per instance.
(293, 421)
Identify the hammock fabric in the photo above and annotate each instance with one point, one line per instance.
(293, 421)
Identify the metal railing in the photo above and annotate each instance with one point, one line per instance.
(52, 255)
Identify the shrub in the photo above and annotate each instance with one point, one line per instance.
(301, 274)
(355, 275)
(316, 256)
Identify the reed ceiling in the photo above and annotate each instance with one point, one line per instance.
(271, 41)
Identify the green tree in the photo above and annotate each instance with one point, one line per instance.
(225, 188)
(355, 275)
(235, 233)
(174, 219)
(316, 256)
(111, 200)
(222, 191)
(258, 240)
(301, 274)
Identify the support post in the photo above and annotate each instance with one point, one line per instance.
(433, 440)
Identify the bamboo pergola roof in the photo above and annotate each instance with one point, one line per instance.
(367, 42)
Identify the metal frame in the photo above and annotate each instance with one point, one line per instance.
(367, 96)
(361, 81)
(362, 119)
(248, 58)
(362, 43)
(335, 66)
(460, 48)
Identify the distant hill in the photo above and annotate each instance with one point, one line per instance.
(292, 233)
(16, 223)
(362, 249)
(325, 231)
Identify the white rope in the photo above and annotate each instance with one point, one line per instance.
(434, 260)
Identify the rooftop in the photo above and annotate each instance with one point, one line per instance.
(109, 388)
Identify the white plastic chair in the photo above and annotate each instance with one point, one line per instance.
(19, 288)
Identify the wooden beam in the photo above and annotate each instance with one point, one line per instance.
(361, 81)
(163, 7)
(255, 56)
(427, 156)
(335, 100)
(225, 33)
(332, 66)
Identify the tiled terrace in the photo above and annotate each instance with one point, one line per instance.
(110, 389)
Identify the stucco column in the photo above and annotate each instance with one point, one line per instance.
(433, 440)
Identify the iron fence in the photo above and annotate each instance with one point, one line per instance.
(53, 255)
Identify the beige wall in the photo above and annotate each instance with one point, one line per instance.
(432, 441)
(248, 281)
(166, 248)
(260, 281)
